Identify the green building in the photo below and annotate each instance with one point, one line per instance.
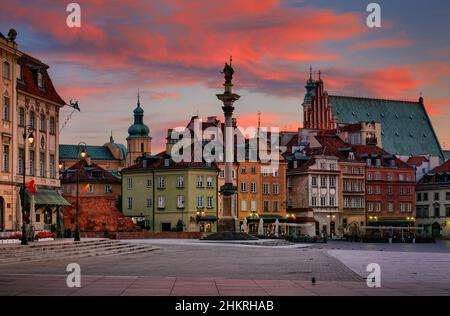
(160, 194)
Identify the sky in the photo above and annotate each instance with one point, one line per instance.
(172, 51)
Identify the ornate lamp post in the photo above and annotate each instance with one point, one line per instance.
(228, 190)
(83, 154)
(27, 134)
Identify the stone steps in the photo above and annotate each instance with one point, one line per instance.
(18, 250)
(69, 250)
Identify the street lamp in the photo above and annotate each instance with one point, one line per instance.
(27, 134)
(83, 154)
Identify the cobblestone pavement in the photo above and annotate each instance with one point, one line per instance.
(182, 269)
(53, 285)
(225, 261)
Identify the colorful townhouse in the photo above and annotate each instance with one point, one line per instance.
(433, 202)
(162, 195)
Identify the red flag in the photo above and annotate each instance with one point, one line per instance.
(31, 187)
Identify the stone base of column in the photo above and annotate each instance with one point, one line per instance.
(226, 225)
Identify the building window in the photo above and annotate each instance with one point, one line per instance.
(266, 206)
(161, 202)
(253, 205)
(332, 182)
(210, 202)
(314, 181)
(378, 177)
(43, 123)
(21, 162)
(378, 207)
(52, 167)
(253, 169)
(369, 207)
(180, 182)
(108, 188)
(437, 211)
(199, 182)
(161, 182)
(275, 188)
(6, 109)
(369, 176)
(40, 81)
(130, 183)
(52, 125)
(21, 116)
(369, 162)
(244, 205)
(390, 207)
(436, 196)
(253, 187)
(130, 203)
(369, 190)
(333, 201)
(447, 211)
(265, 172)
(149, 183)
(149, 203)
(6, 71)
(314, 201)
(378, 190)
(90, 188)
(323, 200)
(180, 201)
(390, 190)
(425, 196)
(401, 177)
(32, 120)
(276, 206)
(275, 172)
(447, 196)
(323, 181)
(209, 182)
(266, 188)
(42, 165)
(32, 162)
(244, 170)
(199, 201)
(419, 197)
(222, 174)
(5, 158)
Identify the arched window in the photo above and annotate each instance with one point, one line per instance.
(6, 70)
(42, 125)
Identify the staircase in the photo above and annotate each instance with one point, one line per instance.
(68, 249)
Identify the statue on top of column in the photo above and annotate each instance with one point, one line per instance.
(228, 71)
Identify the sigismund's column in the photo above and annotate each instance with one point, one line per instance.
(229, 216)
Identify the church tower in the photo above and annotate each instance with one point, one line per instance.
(139, 141)
(317, 112)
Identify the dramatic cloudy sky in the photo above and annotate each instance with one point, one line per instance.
(173, 51)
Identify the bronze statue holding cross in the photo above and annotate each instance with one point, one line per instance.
(228, 71)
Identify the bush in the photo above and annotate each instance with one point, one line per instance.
(180, 226)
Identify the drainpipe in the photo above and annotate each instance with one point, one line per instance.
(154, 199)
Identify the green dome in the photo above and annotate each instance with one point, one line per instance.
(138, 129)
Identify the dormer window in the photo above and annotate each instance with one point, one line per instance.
(369, 162)
(40, 82)
(351, 156)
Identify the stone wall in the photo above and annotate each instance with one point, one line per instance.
(143, 235)
(97, 214)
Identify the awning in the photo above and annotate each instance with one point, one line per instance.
(392, 222)
(207, 218)
(47, 197)
(266, 219)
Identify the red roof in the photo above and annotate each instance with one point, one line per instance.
(28, 82)
(442, 168)
(417, 161)
(88, 173)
